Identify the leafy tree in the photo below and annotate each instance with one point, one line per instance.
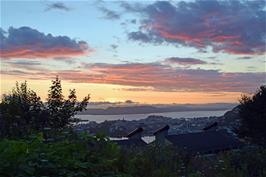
(61, 111)
(253, 116)
(21, 111)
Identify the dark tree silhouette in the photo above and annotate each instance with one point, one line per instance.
(253, 116)
(61, 111)
(23, 112)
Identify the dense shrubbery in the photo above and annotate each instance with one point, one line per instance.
(247, 162)
(72, 156)
(152, 162)
(81, 155)
(253, 117)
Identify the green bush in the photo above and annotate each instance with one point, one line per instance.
(247, 162)
(85, 156)
(70, 154)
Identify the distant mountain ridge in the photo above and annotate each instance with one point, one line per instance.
(147, 109)
(118, 128)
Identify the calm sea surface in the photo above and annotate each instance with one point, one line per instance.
(187, 114)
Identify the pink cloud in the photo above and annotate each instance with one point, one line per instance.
(154, 76)
(29, 43)
(236, 27)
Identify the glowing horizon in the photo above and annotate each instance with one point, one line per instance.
(148, 52)
(115, 93)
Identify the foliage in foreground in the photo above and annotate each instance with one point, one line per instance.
(79, 155)
(72, 156)
(84, 156)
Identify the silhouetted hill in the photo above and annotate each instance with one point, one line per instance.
(118, 128)
(231, 119)
(147, 109)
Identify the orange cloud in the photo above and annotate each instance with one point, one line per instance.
(156, 76)
(49, 53)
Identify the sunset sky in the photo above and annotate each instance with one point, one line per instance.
(148, 52)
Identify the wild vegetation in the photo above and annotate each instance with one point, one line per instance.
(23, 112)
(37, 140)
(78, 155)
(253, 117)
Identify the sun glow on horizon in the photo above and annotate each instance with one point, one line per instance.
(152, 52)
(117, 93)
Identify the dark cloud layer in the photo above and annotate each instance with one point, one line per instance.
(245, 58)
(185, 61)
(114, 46)
(57, 6)
(154, 76)
(109, 14)
(164, 78)
(235, 27)
(25, 65)
(25, 42)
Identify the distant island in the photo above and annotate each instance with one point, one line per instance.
(119, 128)
(147, 109)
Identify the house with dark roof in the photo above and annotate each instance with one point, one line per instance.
(212, 126)
(205, 142)
(135, 134)
(133, 139)
(161, 134)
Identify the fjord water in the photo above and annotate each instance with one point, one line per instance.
(177, 115)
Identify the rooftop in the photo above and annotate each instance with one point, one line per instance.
(136, 131)
(205, 141)
(161, 129)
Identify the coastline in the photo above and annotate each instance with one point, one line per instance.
(139, 116)
(119, 128)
